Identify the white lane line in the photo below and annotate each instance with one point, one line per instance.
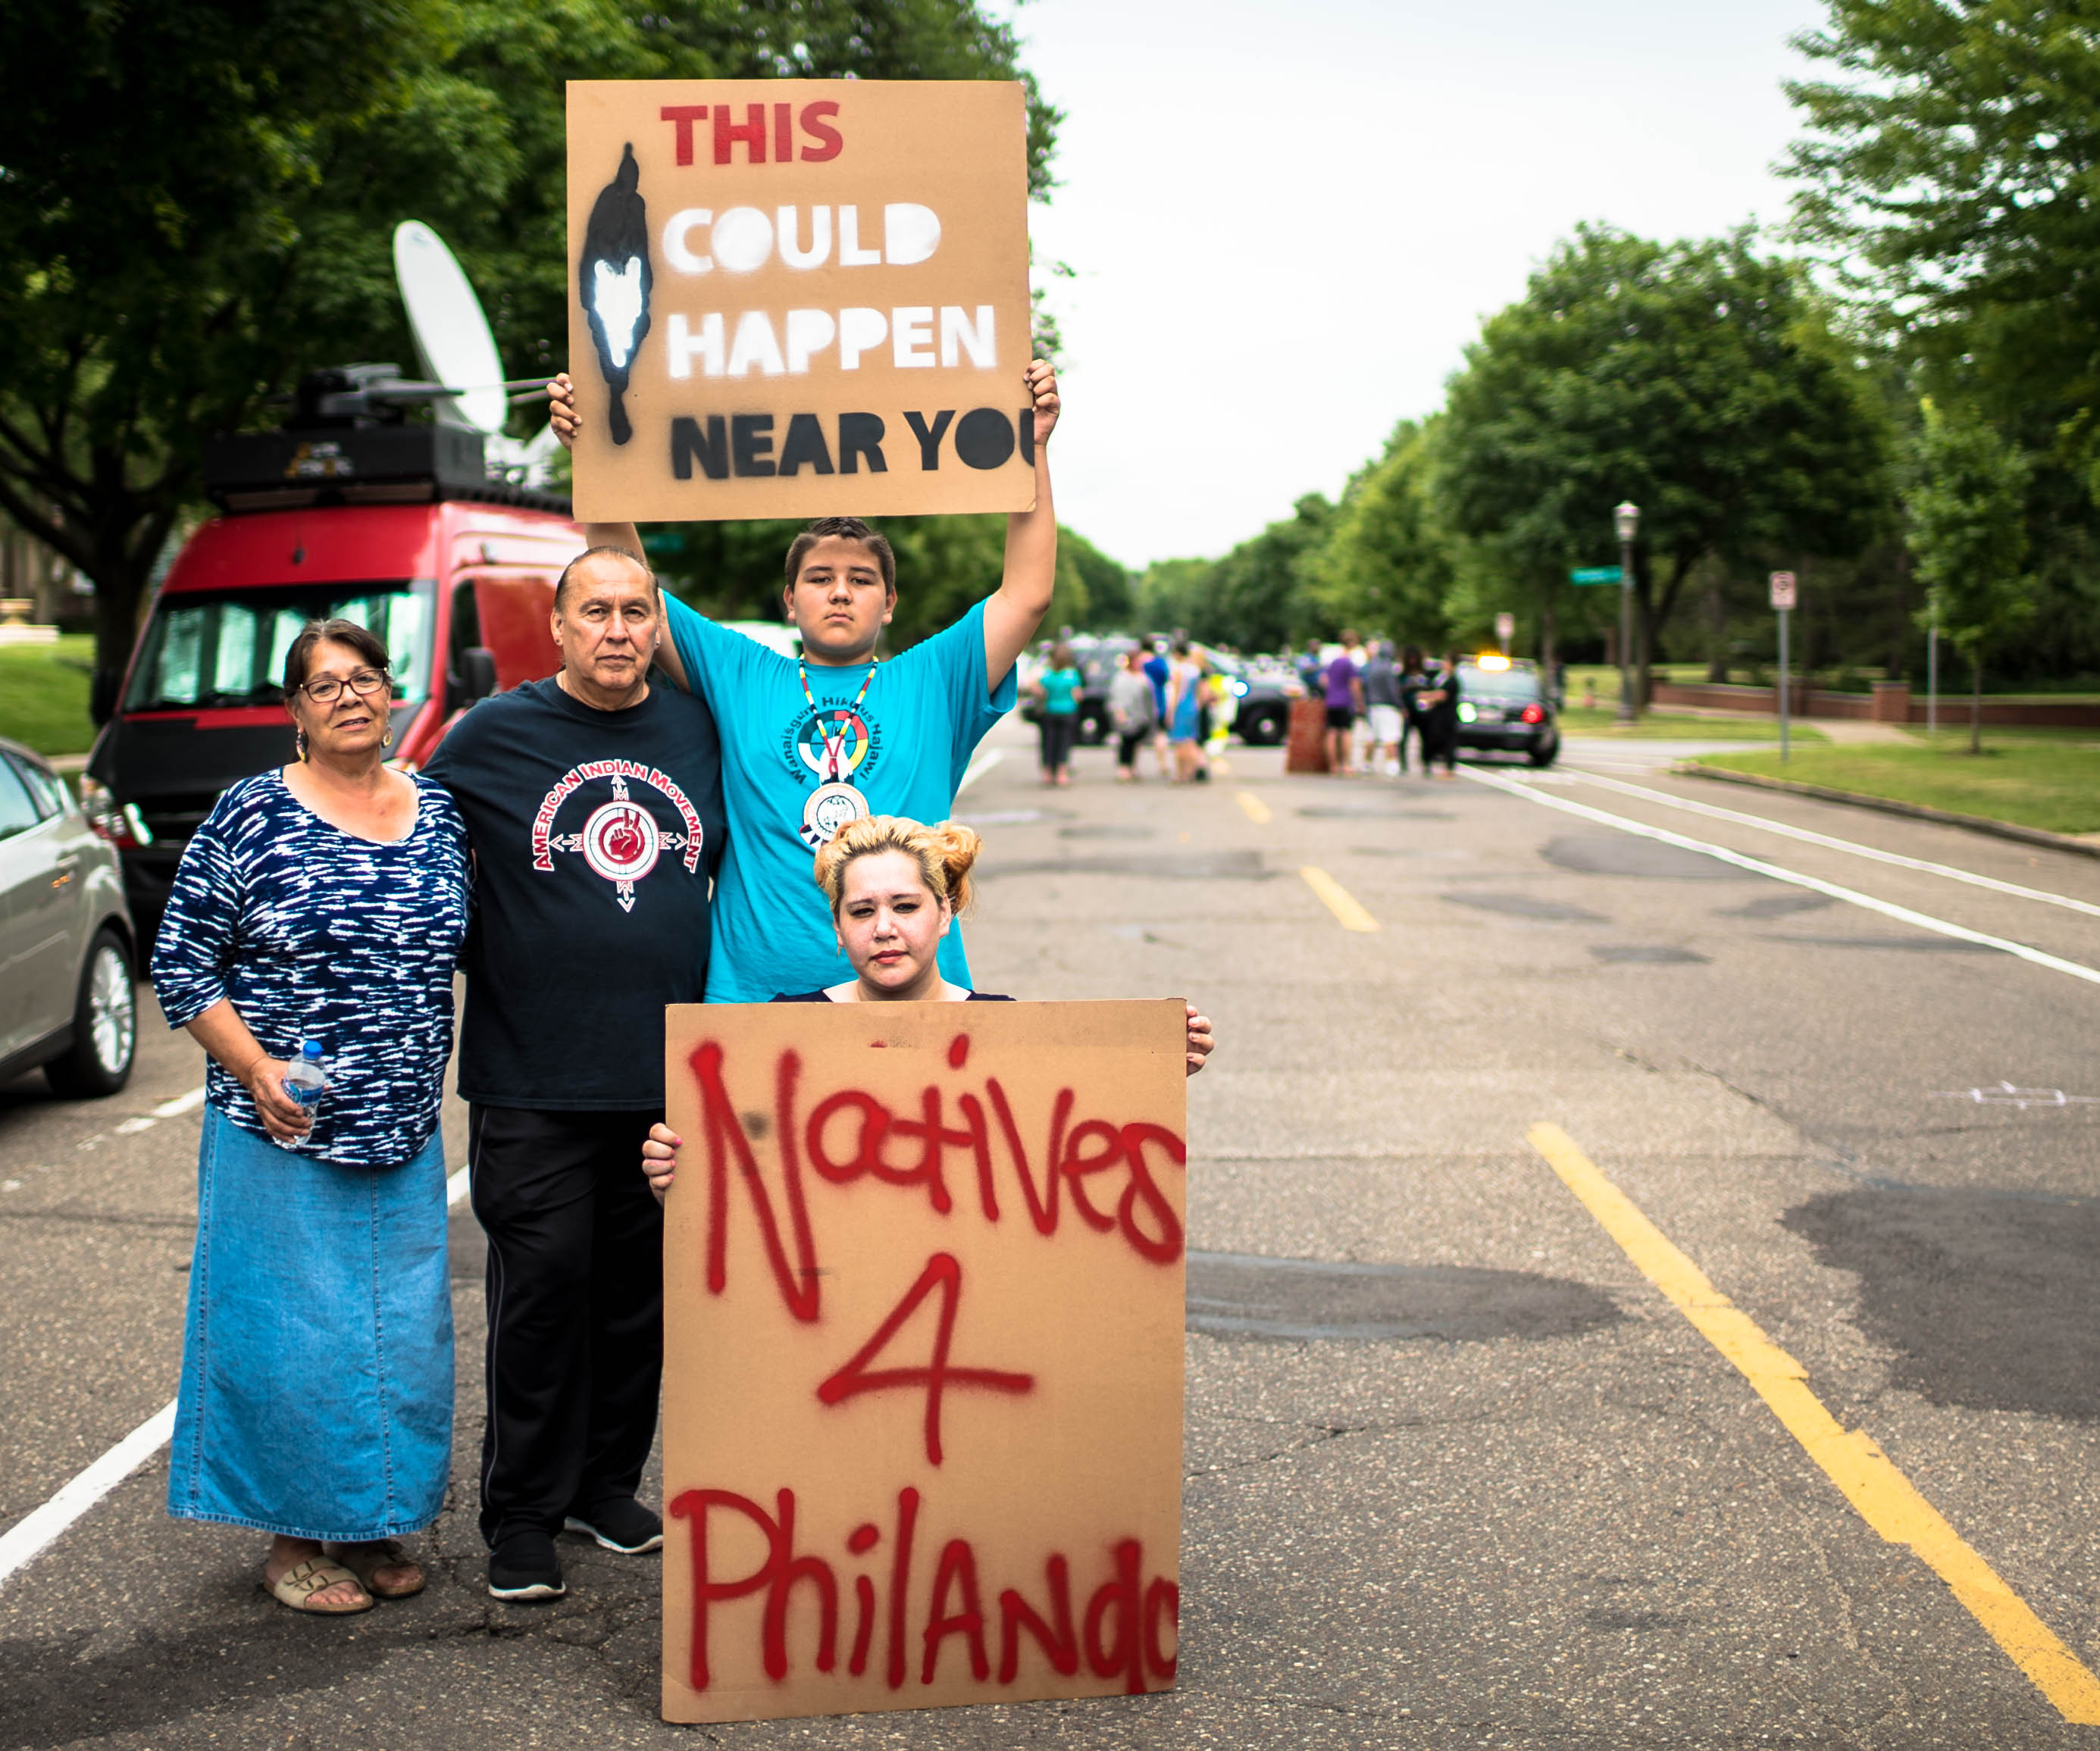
(1807, 837)
(1757, 865)
(29, 1536)
(181, 1104)
(979, 767)
(36, 1531)
(174, 1108)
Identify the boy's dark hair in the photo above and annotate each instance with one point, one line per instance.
(349, 632)
(847, 529)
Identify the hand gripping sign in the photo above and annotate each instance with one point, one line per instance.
(791, 298)
(922, 1320)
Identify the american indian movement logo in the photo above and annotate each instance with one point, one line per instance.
(620, 839)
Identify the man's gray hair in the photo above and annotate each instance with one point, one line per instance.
(562, 582)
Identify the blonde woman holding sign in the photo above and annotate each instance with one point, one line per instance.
(895, 888)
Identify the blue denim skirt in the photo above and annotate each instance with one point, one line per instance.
(316, 1396)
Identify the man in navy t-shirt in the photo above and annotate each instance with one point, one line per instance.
(593, 803)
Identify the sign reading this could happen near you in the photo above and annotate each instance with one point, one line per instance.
(799, 298)
(923, 1277)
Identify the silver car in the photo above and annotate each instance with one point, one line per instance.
(67, 947)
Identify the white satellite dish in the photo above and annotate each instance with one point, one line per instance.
(452, 340)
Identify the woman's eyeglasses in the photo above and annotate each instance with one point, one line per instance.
(364, 682)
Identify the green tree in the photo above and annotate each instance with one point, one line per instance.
(1111, 593)
(1261, 595)
(1169, 590)
(1699, 380)
(1388, 562)
(199, 197)
(1967, 528)
(1950, 171)
(1951, 153)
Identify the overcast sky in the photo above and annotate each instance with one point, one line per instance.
(1287, 220)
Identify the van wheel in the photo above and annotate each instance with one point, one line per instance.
(105, 1026)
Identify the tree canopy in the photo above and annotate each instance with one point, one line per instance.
(1699, 380)
(199, 197)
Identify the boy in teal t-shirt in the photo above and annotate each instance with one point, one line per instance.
(808, 745)
(901, 733)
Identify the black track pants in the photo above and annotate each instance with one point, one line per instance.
(575, 1310)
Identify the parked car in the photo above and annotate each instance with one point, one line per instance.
(454, 572)
(67, 949)
(1504, 708)
(1265, 691)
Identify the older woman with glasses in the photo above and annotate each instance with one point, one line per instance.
(325, 901)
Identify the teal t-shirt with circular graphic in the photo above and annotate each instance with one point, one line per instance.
(901, 733)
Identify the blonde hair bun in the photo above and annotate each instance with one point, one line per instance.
(945, 854)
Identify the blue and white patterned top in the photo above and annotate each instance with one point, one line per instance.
(314, 933)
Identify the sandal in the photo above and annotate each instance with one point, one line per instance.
(366, 1560)
(297, 1587)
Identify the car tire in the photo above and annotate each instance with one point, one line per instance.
(1261, 729)
(1546, 756)
(105, 1026)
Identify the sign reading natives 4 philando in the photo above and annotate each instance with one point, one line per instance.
(793, 298)
(923, 1276)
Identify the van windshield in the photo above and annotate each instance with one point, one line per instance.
(215, 648)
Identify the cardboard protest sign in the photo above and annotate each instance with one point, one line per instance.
(922, 1317)
(793, 297)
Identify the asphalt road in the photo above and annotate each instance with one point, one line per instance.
(1458, 1472)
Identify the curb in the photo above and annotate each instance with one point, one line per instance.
(1977, 823)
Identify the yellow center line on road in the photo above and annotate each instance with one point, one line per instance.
(1256, 810)
(1884, 1498)
(1340, 902)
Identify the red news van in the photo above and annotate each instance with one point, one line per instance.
(456, 573)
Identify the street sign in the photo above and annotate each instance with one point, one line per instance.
(1595, 574)
(1782, 589)
(1505, 631)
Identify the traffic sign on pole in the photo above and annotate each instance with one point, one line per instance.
(1505, 631)
(1595, 574)
(1782, 601)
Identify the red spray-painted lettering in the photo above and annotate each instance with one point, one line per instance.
(1131, 1627)
(945, 1272)
(1076, 1154)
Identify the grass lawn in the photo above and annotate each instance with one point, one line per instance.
(43, 693)
(1679, 726)
(2049, 779)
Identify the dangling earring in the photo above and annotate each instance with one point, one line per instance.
(299, 737)
(387, 739)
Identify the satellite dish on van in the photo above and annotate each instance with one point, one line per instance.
(452, 341)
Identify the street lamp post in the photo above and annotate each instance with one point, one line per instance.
(1627, 517)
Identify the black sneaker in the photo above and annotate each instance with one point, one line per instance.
(523, 1566)
(621, 1525)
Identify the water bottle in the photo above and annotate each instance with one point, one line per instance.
(305, 1078)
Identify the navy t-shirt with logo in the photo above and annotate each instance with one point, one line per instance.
(596, 838)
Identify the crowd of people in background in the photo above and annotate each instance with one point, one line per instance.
(1168, 693)
(1170, 696)
(1392, 701)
